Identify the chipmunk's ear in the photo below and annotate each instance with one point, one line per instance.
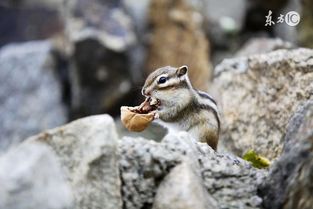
(182, 70)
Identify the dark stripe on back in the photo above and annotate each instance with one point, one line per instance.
(207, 107)
(205, 95)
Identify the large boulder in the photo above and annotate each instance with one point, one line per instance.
(146, 169)
(30, 93)
(31, 177)
(87, 149)
(289, 183)
(258, 94)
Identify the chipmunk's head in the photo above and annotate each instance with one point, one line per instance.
(169, 85)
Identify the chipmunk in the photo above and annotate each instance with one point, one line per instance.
(180, 106)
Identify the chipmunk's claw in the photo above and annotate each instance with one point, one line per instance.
(156, 115)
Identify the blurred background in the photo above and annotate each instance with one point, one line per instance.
(65, 59)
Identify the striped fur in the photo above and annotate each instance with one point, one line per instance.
(208, 103)
(182, 106)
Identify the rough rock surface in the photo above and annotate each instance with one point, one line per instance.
(172, 192)
(230, 181)
(100, 34)
(177, 39)
(258, 94)
(132, 173)
(289, 184)
(31, 177)
(30, 94)
(87, 150)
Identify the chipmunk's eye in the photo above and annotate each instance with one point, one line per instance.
(162, 79)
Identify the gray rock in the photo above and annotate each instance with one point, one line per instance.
(289, 184)
(100, 35)
(31, 177)
(144, 165)
(263, 45)
(87, 150)
(138, 10)
(224, 19)
(104, 21)
(223, 25)
(30, 94)
(258, 95)
(182, 188)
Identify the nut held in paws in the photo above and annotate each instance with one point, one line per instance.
(138, 118)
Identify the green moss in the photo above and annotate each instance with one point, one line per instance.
(256, 160)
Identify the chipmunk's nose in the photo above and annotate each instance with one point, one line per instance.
(145, 92)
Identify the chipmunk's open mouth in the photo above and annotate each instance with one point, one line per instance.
(154, 102)
(150, 104)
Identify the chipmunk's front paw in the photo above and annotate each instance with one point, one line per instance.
(156, 115)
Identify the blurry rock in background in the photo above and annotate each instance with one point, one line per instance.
(223, 25)
(101, 34)
(25, 20)
(177, 39)
(30, 92)
(229, 27)
(263, 45)
(138, 12)
(306, 24)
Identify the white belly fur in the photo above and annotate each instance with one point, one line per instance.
(171, 127)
